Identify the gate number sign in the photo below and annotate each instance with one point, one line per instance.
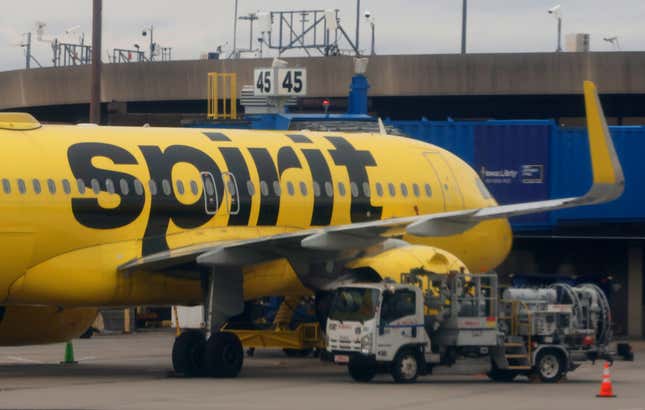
(281, 81)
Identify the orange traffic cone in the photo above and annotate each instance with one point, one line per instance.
(606, 389)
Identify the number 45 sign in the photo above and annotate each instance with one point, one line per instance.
(280, 81)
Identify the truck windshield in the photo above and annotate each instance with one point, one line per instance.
(354, 304)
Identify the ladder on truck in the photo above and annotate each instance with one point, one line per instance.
(517, 348)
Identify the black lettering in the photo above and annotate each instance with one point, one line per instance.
(163, 207)
(269, 204)
(217, 136)
(88, 211)
(356, 162)
(323, 204)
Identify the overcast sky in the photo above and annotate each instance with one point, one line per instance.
(192, 27)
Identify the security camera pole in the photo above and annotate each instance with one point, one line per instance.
(557, 13)
(95, 82)
(370, 19)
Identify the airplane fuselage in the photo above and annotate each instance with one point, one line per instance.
(78, 201)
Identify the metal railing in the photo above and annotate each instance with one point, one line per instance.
(222, 96)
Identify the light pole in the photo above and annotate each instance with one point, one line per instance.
(235, 31)
(358, 22)
(614, 42)
(464, 20)
(251, 17)
(557, 13)
(95, 73)
(370, 20)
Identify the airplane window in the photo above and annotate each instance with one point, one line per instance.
(125, 188)
(391, 188)
(180, 186)
(379, 189)
(193, 187)
(404, 189)
(415, 189)
(138, 187)
(354, 188)
(51, 186)
(153, 187)
(316, 189)
(250, 187)
(21, 186)
(208, 184)
(428, 190)
(66, 186)
(276, 188)
(329, 190)
(165, 186)
(81, 186)
(366, 189)
(341, 189)
(303, 188)
(264, 187)
(6, 186)
(290, 188)
(109, 186)
(95, 185)
(36, 184)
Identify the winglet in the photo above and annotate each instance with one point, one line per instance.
(608, 180)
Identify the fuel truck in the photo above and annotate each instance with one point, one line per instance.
(429, 322)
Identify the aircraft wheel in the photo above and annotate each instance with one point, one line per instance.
(188, 353)
(223, 355)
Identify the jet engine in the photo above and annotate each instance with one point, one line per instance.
(28, 325)
(392, 263)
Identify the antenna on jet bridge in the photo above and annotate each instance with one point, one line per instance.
(381, 127)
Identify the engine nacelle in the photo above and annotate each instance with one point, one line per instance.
(28, 325)
(391, 263)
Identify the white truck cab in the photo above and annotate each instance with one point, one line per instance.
(377, 323)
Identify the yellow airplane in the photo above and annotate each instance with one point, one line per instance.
(114, 216)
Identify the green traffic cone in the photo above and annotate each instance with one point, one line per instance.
(69, 354)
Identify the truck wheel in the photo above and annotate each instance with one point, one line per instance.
(502, 376)
(550, 366)
(361, 370)
(405, 367)
(297, 352)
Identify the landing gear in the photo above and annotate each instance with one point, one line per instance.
(188, 354)
(222, 354)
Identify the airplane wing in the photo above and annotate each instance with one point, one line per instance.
(608, 184)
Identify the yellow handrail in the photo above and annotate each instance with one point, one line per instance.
(226, 84)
